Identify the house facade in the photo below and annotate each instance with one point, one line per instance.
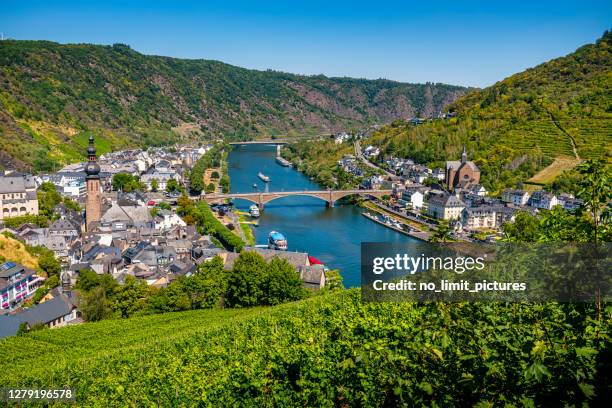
(444, 206)
(516, 197)
(17, 196)
(17, 283)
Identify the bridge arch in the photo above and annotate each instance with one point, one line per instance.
(329, 196)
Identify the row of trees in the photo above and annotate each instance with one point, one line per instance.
(202, 216)
(211, 159)
(251, 282)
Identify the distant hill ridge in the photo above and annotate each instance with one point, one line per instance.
(51, 93)
(561, 108)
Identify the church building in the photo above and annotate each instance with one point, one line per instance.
(461, 174)
(94, 198)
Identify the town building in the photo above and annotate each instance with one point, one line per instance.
(17, 283)
(414, 197)
(487, 216)
(516, 197)
(569, 202)
(461, 174)
(444, 206)
(543, 199)
(56, 312)
(93, 202)
(17, 196)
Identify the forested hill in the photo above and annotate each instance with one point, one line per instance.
(51, 93)
(561, 108)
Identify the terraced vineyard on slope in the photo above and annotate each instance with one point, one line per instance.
(324, 351)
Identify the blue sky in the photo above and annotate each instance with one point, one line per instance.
(458, 42)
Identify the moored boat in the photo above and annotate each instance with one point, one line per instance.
(276, 240)
(282, 161)
(254, 211)
(263, 177)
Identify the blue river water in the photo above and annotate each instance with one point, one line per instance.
(332, 235)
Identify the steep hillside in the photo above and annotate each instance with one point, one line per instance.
(51, 93)
(14, 250)
(330, 350)
(561, 108)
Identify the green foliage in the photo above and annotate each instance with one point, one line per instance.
(71, 204)
(205, 219)
(126, 183)
(517, 126)
(245, 283)
(325, 351)
(16, 222)
(442, 233)
(48, 198)
(95, 306)
(154, 185)
(47, 262)
(225, 184)
(172, 186)
(282, 283)
(210, 159)
(210, 188)
(214, 175)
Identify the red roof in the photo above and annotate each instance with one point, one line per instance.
(314, 261)
(151, 202)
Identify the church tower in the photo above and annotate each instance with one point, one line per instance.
(93, 203)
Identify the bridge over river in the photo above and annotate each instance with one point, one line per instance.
(262, 198)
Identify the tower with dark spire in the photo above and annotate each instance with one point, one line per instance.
(464, 155)
(93, 203)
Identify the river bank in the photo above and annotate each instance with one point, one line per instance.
(332, 235)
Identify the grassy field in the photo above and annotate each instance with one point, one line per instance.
(13, 250)
(550, 172)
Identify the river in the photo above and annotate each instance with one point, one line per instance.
(332, 235)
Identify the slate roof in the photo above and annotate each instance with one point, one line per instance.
(42, 313)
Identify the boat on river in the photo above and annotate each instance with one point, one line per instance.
(254, 211)
(277, 241)
(283, 162)
(263, 177)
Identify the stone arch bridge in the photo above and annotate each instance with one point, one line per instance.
(262, 198)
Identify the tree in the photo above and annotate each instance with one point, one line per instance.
(126, 182)
(48, 263)
(131, 296)
(442, 234)
(154, 185)
(525, 228)
(225, 183)
(210, 188)
(245, 283)
(595, 189)
(95, 306)
(283, 283)
(214, 175)
(172, 186)
(207, 286)
(48, 198)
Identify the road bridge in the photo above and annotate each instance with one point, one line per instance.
(262, 198)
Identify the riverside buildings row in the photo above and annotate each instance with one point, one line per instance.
(465, 201)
